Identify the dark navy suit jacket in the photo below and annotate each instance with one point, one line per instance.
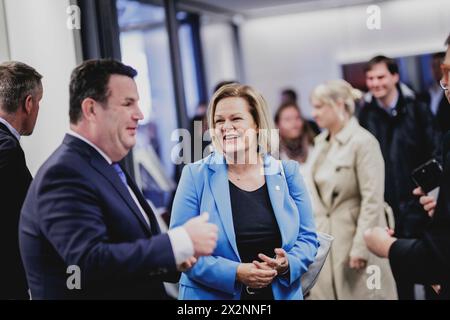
(78, 212)
(14, 182)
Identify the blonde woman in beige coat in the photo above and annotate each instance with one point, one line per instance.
(347, 187)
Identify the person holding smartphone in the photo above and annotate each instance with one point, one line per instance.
(425, 259)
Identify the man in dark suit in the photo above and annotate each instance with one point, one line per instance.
(435, 98)
(20, 93)
(425, 259)
(86, 231)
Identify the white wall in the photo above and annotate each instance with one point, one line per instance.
(38, 36)
(301, 50)
(298, 50)
(4, 49)
(217, 39)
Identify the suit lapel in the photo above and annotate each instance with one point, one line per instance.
(108, 172)
(221, 193)
(7, 131)
(27, 172)
(144, 204)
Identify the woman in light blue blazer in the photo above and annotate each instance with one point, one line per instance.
(260, 205)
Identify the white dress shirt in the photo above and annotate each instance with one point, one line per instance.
(391, 107)
(436, 94)
(180, 241)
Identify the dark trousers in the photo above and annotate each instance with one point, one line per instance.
(405, 290)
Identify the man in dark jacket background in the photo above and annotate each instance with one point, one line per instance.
(425, 259)
(20, 93)
(435, 98)
(404, 128)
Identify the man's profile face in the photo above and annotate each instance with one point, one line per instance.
(380, 81)
(32, 117)
(117, 121)
(436, 68)
(445, 78)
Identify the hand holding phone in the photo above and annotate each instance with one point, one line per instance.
(428, 176)
(427, 201)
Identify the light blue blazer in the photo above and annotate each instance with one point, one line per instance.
(204, 187)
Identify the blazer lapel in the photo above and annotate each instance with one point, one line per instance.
(276, 186)
(221, 192)
(318, 153)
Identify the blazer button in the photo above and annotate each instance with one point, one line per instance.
(328, 215)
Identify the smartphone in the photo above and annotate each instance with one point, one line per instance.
(428, 176)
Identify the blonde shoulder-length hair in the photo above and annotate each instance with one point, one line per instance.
(333, 91)
(257, 108)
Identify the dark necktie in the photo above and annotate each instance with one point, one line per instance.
(123, 177)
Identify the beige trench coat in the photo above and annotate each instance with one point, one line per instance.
(349, 201)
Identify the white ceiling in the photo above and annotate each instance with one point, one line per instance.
(264, 8)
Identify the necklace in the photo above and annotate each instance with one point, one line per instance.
(237, 177)
(246, 171)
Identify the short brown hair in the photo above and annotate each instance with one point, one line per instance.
(17, 81)
(389, 62)
(90, 80)
(447, 42)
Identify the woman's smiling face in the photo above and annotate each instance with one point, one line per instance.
(234, 126)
